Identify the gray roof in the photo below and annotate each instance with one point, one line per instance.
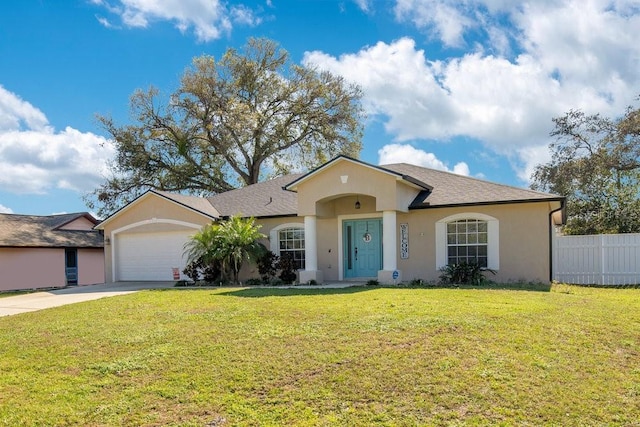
(196, 203)
(439, 189)
(44, 231)
(263, 199)
(451, 189)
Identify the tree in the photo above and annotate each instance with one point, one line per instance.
(596, 165)
(228, 243)
(232, 122)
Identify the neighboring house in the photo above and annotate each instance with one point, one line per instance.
(50, 251)
(349, 220)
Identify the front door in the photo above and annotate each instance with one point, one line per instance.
(362, 247)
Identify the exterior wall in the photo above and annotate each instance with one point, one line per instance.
(90, 266)
(79, 224)
(250, 271)
(29, 268)
(149, 213)
(389, 193)
(523, 241)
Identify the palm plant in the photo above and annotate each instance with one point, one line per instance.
(229, 242)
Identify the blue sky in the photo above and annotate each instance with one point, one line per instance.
(459, 85)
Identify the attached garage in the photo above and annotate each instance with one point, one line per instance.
(144, 241)
(150, 256)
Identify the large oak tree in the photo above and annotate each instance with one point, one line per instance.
(232, 122)
(596, 165)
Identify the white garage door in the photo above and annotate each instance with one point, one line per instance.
(150, 256)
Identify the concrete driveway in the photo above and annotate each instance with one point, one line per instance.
(41, 300)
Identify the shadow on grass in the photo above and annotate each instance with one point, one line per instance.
(287, 292)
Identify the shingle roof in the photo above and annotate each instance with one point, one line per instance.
(199, 204)
(265, 198)
(452, 189)
(269, 199)
(44, 231)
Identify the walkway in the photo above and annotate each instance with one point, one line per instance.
(40, 300)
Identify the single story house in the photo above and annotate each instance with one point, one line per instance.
(350, 220)
(50, 251)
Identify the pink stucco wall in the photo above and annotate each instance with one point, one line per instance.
(28, 268)
(90, 266)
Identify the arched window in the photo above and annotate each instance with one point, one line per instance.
(468, 237)
(289, 239)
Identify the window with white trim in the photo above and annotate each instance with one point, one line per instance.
(291, 242)
(289, 239)
(467, 242)
(468, 237)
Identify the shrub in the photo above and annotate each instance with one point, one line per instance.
(287, 269)
(268, 265)
(464, 274)
(373, 282)
(254, 281)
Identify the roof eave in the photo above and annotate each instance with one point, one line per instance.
(137, 200)
(417, 206)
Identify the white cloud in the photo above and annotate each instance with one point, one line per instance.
(363, 5)
(403, 153)
(4, 209)
(548, 58)
(444, 18)
(34, 157)
(209, 19)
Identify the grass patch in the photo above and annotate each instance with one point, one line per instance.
(356, 356)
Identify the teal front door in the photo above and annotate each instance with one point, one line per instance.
(362, 247)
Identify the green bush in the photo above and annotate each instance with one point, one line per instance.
(464, 274)
(254, 281)
(287, 269)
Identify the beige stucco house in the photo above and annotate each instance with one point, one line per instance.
(350, 220)
(49, 251)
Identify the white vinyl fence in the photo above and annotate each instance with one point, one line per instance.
(604, 259)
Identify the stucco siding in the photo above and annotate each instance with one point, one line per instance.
(90, 266)
(29, 268)
(81, 223)
(362, 180)
(523, 241)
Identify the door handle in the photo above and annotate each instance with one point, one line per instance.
(356, 254)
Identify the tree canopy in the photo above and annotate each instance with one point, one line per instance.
(251, 115)
(596, 165)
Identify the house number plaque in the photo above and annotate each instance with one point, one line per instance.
(366, 237)
(404, 241)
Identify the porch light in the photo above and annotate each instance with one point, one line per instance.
(357, 203)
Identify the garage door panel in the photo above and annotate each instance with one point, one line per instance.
(150, 256)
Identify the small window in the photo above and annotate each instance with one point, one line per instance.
(291, 241)
(467, 242)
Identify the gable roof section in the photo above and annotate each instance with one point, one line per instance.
(264, 199)
(45, 232)
(292, 186)
(194, 203)
(277, 197)
(449, 189)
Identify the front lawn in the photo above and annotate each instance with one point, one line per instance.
(358, 356)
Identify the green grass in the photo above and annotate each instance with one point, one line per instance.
(350, 357)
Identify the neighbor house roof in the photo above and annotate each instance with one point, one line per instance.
(47, 231)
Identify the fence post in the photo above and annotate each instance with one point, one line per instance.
(602, 259)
